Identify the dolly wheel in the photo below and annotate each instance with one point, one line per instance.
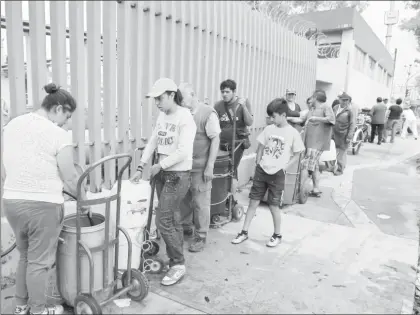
(151, 265)
(304, 184)
(140, 285)
(215, 219)
(237, 213)
(86, 304)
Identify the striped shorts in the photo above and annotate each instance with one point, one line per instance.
(311, 159)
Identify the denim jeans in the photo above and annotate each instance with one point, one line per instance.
(196, 205)
(171, 188)
(36, 226)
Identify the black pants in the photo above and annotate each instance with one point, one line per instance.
(377, 128)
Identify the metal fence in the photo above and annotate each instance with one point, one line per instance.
(110, 63)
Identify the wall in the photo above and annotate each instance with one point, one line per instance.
(201, 42)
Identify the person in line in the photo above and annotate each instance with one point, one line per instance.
(279, 146)
(195, 208)
(384, 131)
(319, 121)
(173, 139)
(38, 162)
(394, 117)
(378, 114)
(225, 109)
(343, 130)
(294, 108)
(410, 122)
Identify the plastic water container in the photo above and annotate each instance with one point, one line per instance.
(135, 200)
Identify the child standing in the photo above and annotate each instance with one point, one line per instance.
(279, 146)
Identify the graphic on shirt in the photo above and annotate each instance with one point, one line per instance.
(166, 134)
(225, 117)
(275, 147)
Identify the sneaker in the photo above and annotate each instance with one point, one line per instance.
(174, 274)
(197, 245)
(274, 241)
(53, 310)
(240, 238)
(21, 309)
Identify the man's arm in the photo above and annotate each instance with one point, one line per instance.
(213, 132)
(350, 132)
(260, 150)
(248, 116)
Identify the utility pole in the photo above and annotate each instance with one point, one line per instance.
(391, 18)
(393, 72)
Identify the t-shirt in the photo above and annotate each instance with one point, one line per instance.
(173, 138)
(409, 114)
(280, 144)
(31, 144)
(395, 112)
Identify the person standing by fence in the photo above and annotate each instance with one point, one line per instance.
(378, 114)
(343, 130)
(38, 162)
(226, 108)
(172, 138)
(195, 208)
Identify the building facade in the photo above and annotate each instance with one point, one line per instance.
(351, 57)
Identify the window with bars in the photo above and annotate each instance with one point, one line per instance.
(359, 59)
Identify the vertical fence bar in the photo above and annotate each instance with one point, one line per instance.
(152, 74)
(199, 49)
(15, 56)
(93, 10)
(272, 62)
(191, 25)
(58, 42)
(238, 45)
(242, 63)
(78, 78)
(215, 33)
(233, 35)
(146, 112)
(135, 87)
(38, 50)
(208, 26)
(228, 19)
(109, 87)
(183, 19)
(163, 40)
(173, 46)
(221, 13)
(123, 77)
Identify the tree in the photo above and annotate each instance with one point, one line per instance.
(299, 7)
(412, 25)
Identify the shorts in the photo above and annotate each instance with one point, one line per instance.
(311, 160)
(263, 181)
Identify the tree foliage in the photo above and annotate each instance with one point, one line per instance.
(300, 7)
(413, 24)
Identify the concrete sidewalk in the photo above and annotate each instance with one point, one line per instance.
(350, 251)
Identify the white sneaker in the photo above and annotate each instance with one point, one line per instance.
(240, 238)
(274, 241)
(21, 309)
(53, 310)
(174, 274)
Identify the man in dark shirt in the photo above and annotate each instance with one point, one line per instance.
(378, 113)
(394, 116)
(244, 118)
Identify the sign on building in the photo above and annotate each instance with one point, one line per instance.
(391, 17)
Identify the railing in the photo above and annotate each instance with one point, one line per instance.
(201, 42)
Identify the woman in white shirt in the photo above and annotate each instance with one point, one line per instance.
(38, 161)
(173, 139)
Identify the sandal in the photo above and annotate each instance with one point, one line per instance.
(316, 194)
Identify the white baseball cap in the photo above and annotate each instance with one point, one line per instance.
(161, 86)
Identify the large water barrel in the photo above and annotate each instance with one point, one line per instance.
(92, 236)
(220, 186)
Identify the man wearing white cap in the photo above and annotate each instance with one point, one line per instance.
(173, 139)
